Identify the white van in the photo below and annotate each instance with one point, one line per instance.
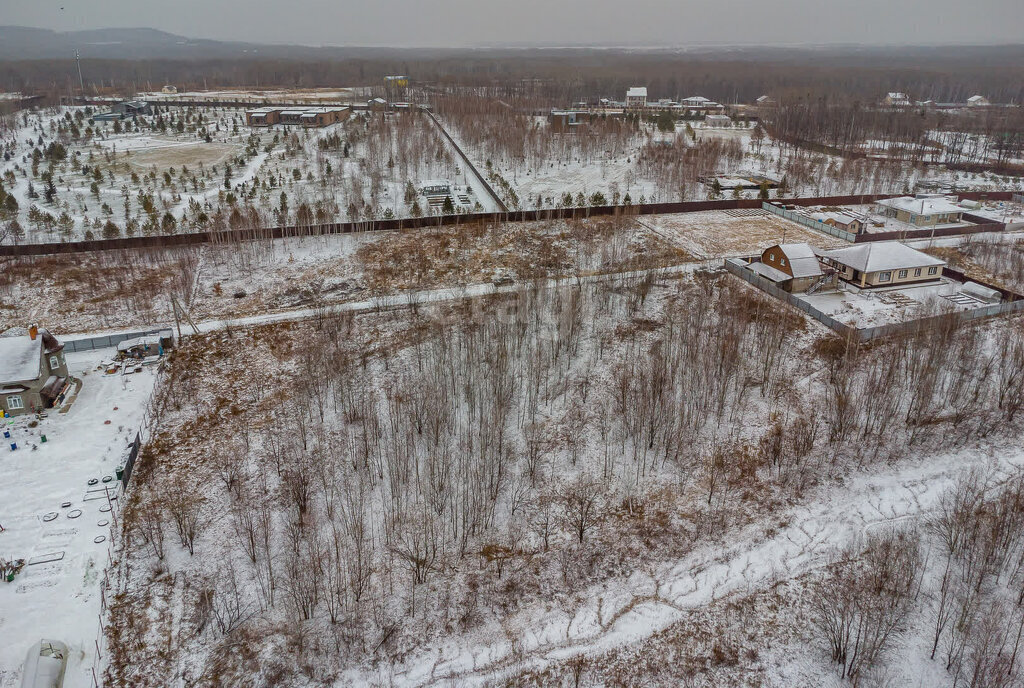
(45, 665)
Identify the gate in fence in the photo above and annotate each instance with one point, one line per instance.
(129, 463)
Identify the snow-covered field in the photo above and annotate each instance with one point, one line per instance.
(61, 599)
(333, 95)
(714, 234)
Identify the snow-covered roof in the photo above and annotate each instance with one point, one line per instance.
(796, 250)
(801, 259)
(840, 217)
(637, 92)
(881, 255)
(922, 206)
(696, 99)
(146, 340)
(896, 95)
(19, 358)
(977, 99)
(805, 267)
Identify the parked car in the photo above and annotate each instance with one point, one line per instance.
(45, 664)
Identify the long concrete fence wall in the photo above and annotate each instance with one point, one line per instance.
(105, 341)
(288, 231)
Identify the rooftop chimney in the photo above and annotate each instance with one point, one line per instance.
(33, 330)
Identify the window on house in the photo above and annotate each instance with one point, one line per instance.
(917, 272)
(884, 276)
(782, 262)
(932, 271)
(54, 362)
(903, 273)
(14, 402)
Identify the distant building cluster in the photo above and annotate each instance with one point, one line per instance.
(898, 99)
(636, 99)
(300, 116)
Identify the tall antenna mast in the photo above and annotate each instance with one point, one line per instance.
(78, 61)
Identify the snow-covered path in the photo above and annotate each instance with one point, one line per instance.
(409, 298)
(624, 611)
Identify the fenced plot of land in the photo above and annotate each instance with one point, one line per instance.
(58, 593)
(715, 234)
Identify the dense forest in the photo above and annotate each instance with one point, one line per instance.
(559, 76)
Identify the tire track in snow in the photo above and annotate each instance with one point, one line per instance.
(832, 519)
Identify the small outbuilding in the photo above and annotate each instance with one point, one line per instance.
(141, 347)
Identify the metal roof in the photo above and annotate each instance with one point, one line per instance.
(20, 358)
(882, 255)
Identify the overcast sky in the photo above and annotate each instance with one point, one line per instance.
(458, 23)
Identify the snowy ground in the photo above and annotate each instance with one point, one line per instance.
(716, 233)
(333, 95)
(628, 611)
(61, 600)
(868, 308)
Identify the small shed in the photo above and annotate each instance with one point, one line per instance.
(982, 293)
(141, 347)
